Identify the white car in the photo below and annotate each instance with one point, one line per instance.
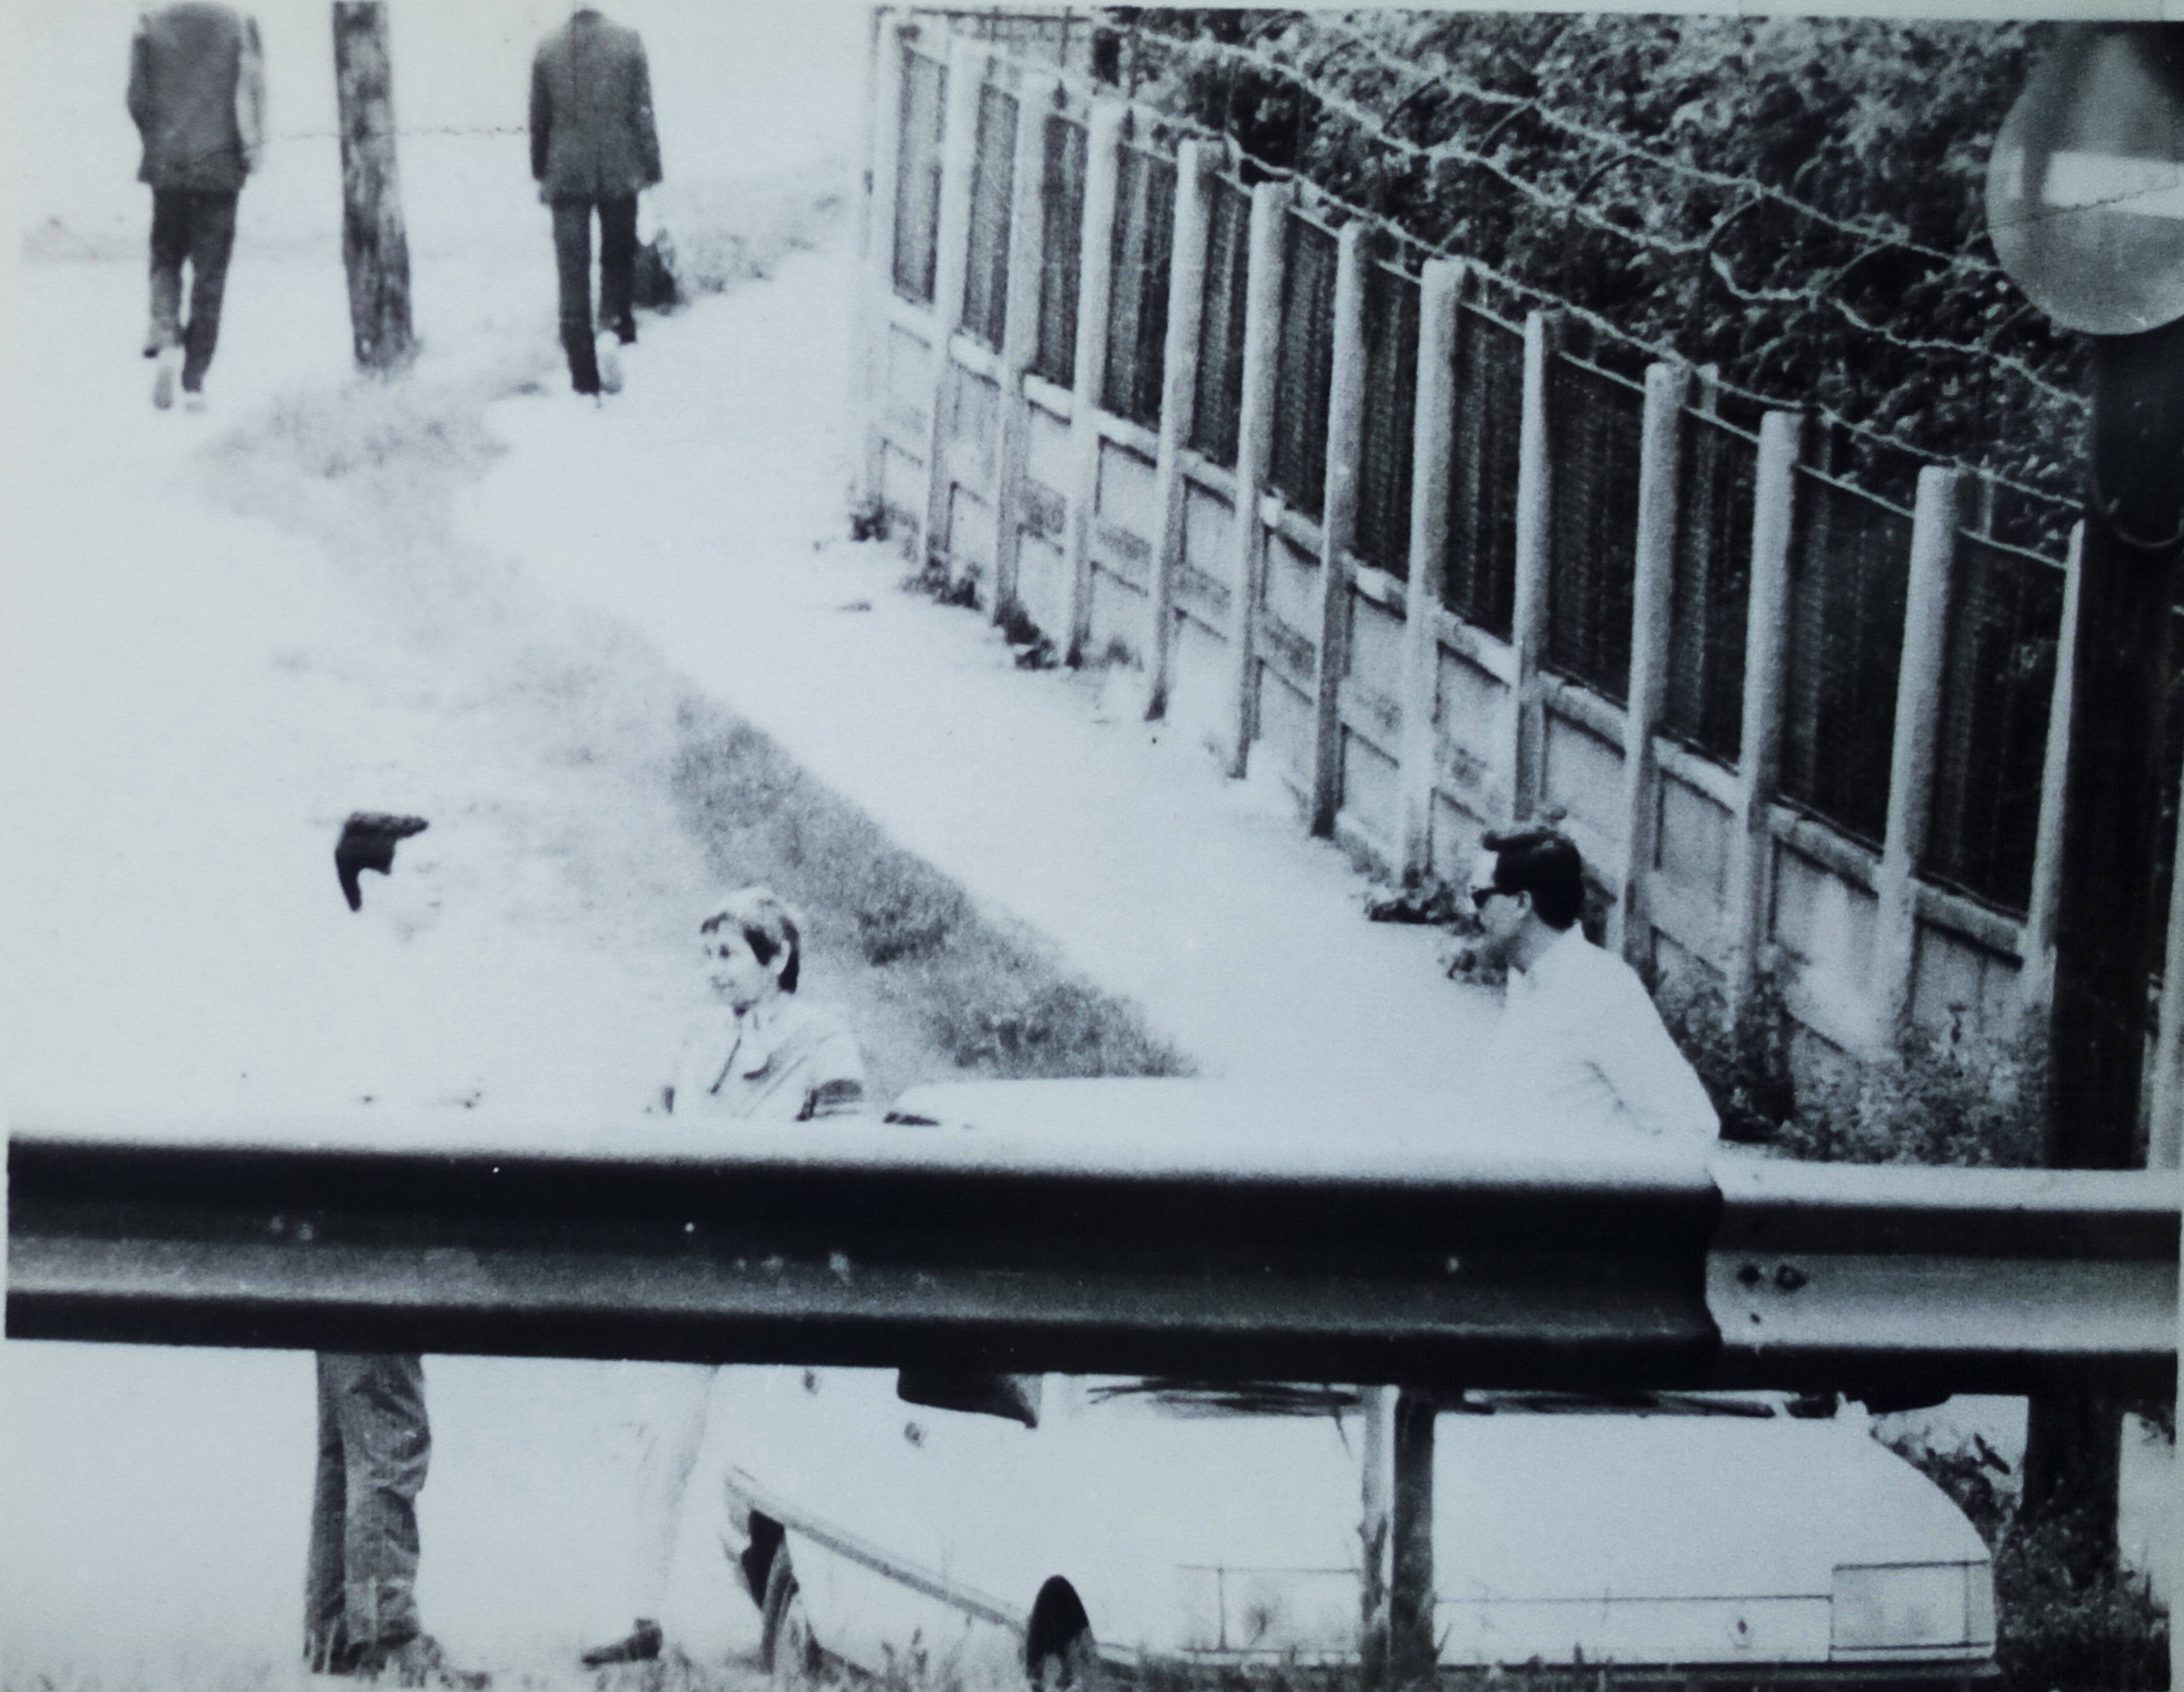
(1139, 1524)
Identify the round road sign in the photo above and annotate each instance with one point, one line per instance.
(2085, 191)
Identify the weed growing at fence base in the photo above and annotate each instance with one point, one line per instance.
(986, 999)
(2067, 1619)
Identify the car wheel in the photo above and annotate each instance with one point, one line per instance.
(788, 1650)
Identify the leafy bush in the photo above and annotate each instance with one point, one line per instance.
(1744, 1063)
(1950, 1100)
(2067, 1619)
(1797, 201)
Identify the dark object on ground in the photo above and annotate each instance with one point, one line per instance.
(1436, 903)
(367, 843)
(655, 283)
(869, 521)
(641, 1644)
(1033, 649)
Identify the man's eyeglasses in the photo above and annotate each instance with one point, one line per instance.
(1479, 896)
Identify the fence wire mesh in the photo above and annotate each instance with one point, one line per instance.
(1998, 674)
(992, 174)
(1392, 385)
(917, 176)
(1220, 390)
(1702, 705)
(1137, 314)
(1481, 583)
(1850, 568)
(1304, 364)
(1594, 421)
(1062, 242)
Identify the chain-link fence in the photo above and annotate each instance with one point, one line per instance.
(1703, 703)
(1850, 569)
(1997, 678)
(1220, 394)
(1595, 419)
(917, 175)
(993, 172)
(1304, 364)
(1481, 585)
(1063, 201)
(1392, 385)
(1137, 313)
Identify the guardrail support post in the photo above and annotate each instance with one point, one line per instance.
(1911, 760)
(1255, 443)
(1095, 287)
(1035, 95)
(1766, 641)
(1397, 1646)
(1186, 308)
(1338, 524)
(1660, 462)
(1433, 435)
(1536, 493)
(959, 140)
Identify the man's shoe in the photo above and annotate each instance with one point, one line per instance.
(418, 1661)
(163, 374)
(641, 1644)
(194, 399)
(609, 364)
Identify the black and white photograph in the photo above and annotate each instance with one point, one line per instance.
(994, 849)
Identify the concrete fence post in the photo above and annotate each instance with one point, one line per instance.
(1433, 439)
(2036, 979)
(1338, 524)
(1255, 443)
(1766, 642)
(1095, 287)
(875, 237)
(959, 143)
(1186, 309)
(1035, 97)
(1935, 519)
(1536, 493)
(1652, 594)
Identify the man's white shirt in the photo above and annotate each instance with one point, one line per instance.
(1579, 1032)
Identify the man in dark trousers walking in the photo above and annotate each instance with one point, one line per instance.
(197, 90)
(593, 148)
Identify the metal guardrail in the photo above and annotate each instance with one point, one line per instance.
(879, 1244)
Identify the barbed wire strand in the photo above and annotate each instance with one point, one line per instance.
(1091, 86)
(1446, 79)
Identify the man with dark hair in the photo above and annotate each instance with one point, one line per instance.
(1578, 1022)
(592, 148)
(197, 92)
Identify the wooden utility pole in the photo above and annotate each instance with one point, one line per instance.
(2107, 933)
(374, 248)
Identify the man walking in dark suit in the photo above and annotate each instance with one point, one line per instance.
(593, 148)
(197, 91)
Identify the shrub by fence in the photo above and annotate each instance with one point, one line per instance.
(1447, 565)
